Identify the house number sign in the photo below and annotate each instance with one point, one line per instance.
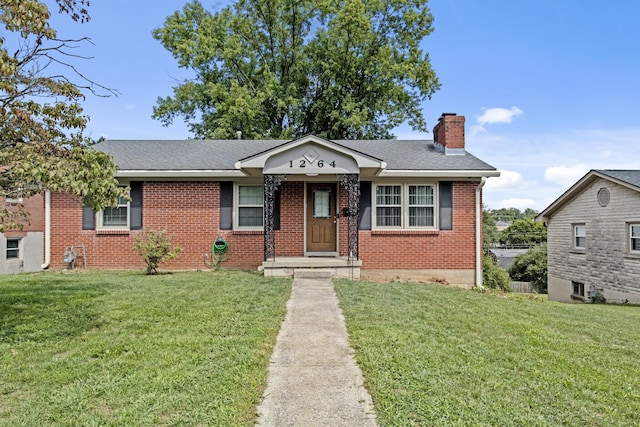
(309, 158)
(303, 163)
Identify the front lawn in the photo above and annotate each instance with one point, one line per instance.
(433, 356)
(129, 349)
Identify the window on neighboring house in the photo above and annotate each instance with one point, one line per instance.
(13, 248)
(116, 217)
(405, 206)
(634, 238)
(14, 200)
(578, 289)
(579, 236)
(250, 206)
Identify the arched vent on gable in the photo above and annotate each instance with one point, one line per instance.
(604, 196)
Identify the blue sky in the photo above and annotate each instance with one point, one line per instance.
(550, 88)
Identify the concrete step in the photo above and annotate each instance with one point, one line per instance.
(311, 273)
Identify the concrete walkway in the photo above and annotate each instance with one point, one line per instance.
(313, 377)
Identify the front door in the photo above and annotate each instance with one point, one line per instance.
(321, 217)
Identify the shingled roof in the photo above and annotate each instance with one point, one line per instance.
(631, 177)
(196, 154)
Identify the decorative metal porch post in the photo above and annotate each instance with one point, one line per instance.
(271, 184)
(351, 182)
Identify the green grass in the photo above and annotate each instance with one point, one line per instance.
(129, 349)
(433, 355)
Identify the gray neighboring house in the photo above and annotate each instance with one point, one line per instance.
(594, 238)
(22, 250)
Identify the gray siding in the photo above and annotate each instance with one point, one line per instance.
(31, 254)
(606, 263)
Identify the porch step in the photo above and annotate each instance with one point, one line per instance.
(312, 267)
(311, 273)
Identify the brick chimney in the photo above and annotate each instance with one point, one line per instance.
(449, 133)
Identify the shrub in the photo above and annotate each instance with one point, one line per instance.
(531, 266)
(155, 248)
(493, 276)
(598, 298)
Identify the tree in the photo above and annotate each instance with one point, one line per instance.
(286, 68)
(531, 267)
(490, 233)
(524, 232)
(511, 214)
(41, 122)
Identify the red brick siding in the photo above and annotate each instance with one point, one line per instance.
(190, 212)
(34, 206)
(290, 237)
(446, 249)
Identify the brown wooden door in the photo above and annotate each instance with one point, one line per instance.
(321, 218)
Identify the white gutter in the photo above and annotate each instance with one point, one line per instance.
(471, 174)
(483, 180)
(47, 230)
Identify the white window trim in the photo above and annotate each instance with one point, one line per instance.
(404, 205)
(574, 235)
(236, 206)
(14, 200)
(374, 210)
(100, 220)
(630, 239)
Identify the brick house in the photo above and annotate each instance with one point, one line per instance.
(593, 238)
(389, 209)
(21, 250)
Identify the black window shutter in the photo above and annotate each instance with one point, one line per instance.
(365, 205)
(276, 213)
(226, 205)
(446, 206)
(135, 216)
(88, 218)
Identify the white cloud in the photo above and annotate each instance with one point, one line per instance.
(508, 180)
(565, 176)
(498, 115)
(494, 115)
(515, 202)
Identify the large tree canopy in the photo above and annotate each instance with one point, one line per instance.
(285, 68)
(41, 122)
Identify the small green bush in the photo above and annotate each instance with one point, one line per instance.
(598, 298)
(531, 266)
(494, 277)
(155, 248)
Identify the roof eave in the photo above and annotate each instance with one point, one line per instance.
(418, 173)
(196, 173)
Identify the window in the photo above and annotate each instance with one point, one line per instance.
(321, 203)
(421, 206)
(578, 289)
(579, 236)
(405, 206)
(13, 248)
(116, 217)
(634, 238)
(388, 205)
(14, 200)
(250, 205)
